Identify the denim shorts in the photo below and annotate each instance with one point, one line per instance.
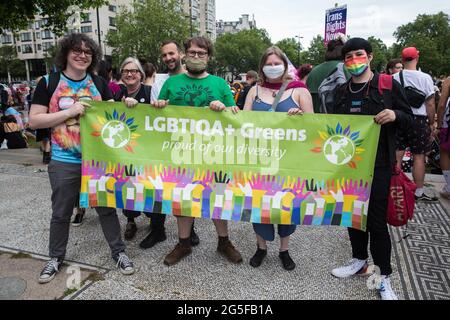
(267, 231)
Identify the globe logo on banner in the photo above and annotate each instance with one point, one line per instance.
(116, 134)
(116, 131)
(340, 146)
(339, 150)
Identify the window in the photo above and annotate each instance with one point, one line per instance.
(112, 8)
(39, 47)
(6, 38)
(25, 36)
(18, 48)
(26, 48)
(46, 46)
(86, 29)
(37, 24)
(112, 21)
(47, 34)
(85, 18)
(38, 35)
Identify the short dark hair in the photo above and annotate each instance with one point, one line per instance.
(334, 50)
(201, 42)
(165, 43)
(149, 69)
(104, 68)
(75, 41)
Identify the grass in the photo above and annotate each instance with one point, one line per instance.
(94, 277)
(68, 292)
(21, 255)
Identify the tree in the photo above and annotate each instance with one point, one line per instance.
(49, 57)
(242, 51)
(9, 63)
(380, 54)
(291, 47)
(429, 34)
(315, 54)
(141, 30)
(16, 15)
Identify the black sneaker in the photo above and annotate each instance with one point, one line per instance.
(195, 240)
(124, 264)
(425, 198)
(258, 258)
(288, 263)
(78, 220)
(153, 238)
(50, 270)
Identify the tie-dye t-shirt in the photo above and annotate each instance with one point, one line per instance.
(65, 137)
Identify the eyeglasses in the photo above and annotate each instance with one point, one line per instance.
(200, 54)
(132, 71)
(79, 51)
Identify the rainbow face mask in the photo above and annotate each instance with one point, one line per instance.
(357, 66)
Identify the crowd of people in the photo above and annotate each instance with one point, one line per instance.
(343, 84)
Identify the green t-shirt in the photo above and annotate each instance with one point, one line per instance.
(182, 90)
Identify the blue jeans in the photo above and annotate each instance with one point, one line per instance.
(267, 231)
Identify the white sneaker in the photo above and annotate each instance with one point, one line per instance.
(386, 291)
(354, 267)
(445, 193)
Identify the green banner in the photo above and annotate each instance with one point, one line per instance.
(260, 167)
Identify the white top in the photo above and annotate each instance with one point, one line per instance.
(157, 86)
(420, 81)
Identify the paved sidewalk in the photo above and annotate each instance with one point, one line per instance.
(421, 262)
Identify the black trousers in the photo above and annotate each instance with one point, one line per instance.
(157, 220)
(377, 229)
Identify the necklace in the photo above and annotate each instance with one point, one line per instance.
(365, 84)
(357, 91)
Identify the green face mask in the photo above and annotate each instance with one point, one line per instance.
(196, 66)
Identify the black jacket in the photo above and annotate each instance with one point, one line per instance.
(373, 103)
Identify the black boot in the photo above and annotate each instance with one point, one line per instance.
(155, 236)
(130, 230)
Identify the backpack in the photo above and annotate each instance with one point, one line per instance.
(53, 81)
(415, 97)
(237, 88)
(401, 199)
(333, 80)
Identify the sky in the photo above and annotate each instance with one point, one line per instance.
(306, 18)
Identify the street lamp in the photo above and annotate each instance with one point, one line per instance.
(299, 49)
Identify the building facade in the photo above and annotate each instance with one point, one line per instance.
(202, 14)
(33, 44)
(244, 23)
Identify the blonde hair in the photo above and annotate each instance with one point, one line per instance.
(280, 54)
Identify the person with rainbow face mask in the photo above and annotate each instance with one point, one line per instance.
(361, 96)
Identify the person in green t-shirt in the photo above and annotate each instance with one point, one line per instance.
(333, 57)
(197, 88)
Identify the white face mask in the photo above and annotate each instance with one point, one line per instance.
(274, 72)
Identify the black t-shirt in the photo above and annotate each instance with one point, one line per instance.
(142, 96)
(42, 96)
(358, 104)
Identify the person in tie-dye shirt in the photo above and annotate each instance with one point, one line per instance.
(61, 110)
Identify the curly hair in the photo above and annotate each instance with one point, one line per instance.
(75, 41)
